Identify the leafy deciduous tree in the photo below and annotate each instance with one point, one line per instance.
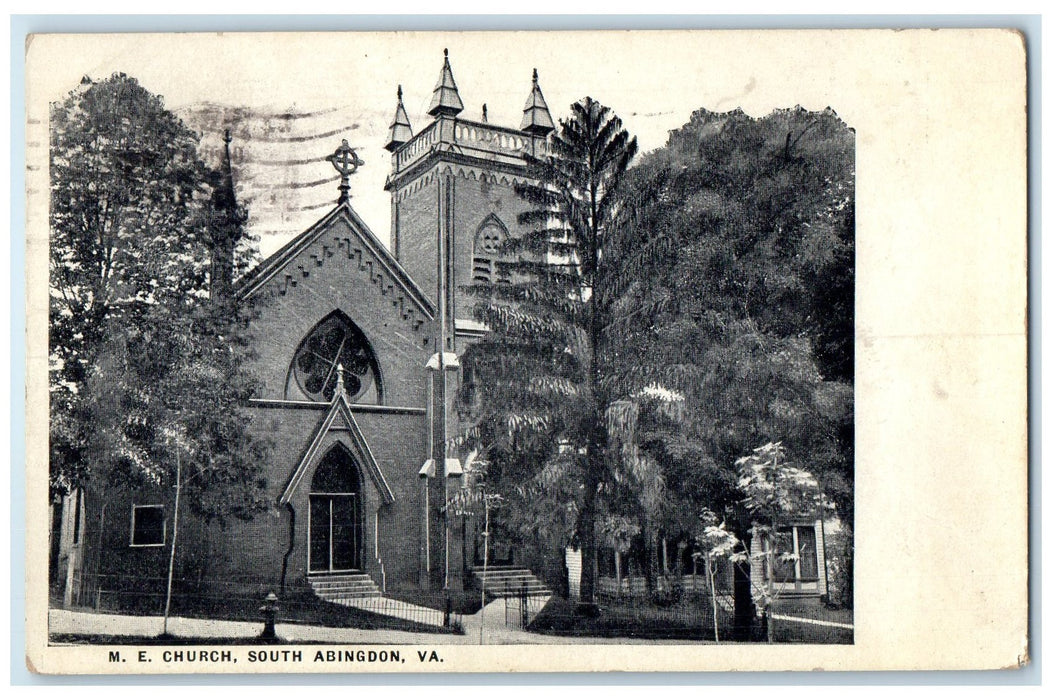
(148, 374)
(126, 197)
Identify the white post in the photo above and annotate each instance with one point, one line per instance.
(485, 564)
(175, 535)
(712, 589)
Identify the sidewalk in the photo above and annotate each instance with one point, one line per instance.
(492, 616)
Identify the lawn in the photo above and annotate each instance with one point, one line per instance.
(793, 632)
(298, 607)
(688, 619)
(463, 602)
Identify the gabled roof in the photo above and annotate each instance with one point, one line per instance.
(339, 418)
(446, 97)
(266, 270)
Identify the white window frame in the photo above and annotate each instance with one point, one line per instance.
(795, 528)
(164, 526)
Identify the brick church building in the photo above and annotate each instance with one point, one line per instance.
(358, 348)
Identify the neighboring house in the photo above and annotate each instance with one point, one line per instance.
(622, 573)
(358, 349)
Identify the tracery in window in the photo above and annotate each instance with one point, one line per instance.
(488, 240)
(333, 342)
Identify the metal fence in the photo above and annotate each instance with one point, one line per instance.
(410, 612)
(521, 609)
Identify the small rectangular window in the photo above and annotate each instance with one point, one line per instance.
(807, 549)
(148, 526)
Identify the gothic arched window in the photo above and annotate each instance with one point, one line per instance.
(336, 341)
(488, 240)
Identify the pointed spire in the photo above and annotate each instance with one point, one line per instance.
(536, 119)
(224, 225)
(446, 98)
(400, 131)
(224, 194)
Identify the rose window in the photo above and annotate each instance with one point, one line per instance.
(334, 342)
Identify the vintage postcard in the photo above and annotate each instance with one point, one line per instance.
(421, 352)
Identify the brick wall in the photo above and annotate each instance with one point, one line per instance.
(370, 299)
(475, 199)
(415, 224)
(398, 440)
(476, 195)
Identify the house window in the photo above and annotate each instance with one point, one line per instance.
(800, 541)
(148, 526)
(488, 240)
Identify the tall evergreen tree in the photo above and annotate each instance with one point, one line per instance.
(541, 414)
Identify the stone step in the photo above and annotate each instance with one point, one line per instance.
(344, 598)
(341, 588)
(502, 576)
(320, 585)
(514, 584)
(517, 592)
(510, 581)
(339, 577)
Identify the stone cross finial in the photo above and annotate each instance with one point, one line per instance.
(346, 161)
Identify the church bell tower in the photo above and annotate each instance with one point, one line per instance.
(453, 202)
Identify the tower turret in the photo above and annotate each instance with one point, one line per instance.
(536, 119)
(446, 97)
(400, 131)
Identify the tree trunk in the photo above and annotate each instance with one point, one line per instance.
(711, 577)
(586, 531)
(485, 565)
(744, 608)
(772, 587)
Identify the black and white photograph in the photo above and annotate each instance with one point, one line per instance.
(366, 349)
